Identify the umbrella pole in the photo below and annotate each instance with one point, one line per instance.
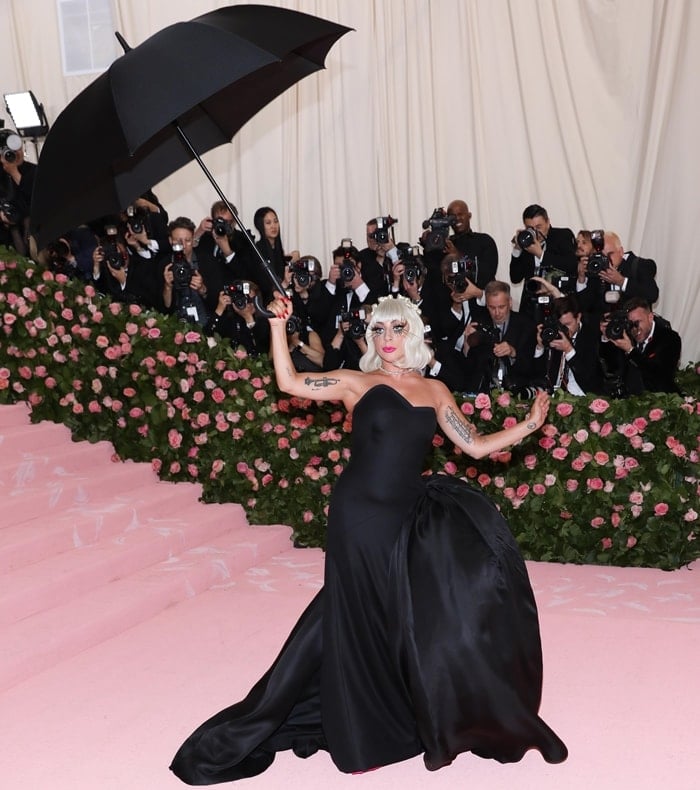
(270, 271)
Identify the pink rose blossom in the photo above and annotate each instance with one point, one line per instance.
(615, 519)
(483, 480)
(546, 443)
(499, 481)
(522, 491)
(656, 414)
(571, 484)
(660, 509)
(691, 515)
(631, 541)
(636, 497)
(550, 480)
(307, 516)
(486, 414)
(594, 483)
(598, 406)
(174, 438)
(601, 458)
(509, 492)
(503, 399)
(467, 408)
(606, 543)
(259, 395)
(606, 429)
(559, 453)
(509, 422)
(539, 489)
(530, 461)
(482, 401)
(564, 409)
(598, 521)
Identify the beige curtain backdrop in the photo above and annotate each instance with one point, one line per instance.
(588, 107)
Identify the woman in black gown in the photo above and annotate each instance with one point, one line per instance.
(425, 637)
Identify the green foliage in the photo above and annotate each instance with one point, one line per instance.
(604, 482)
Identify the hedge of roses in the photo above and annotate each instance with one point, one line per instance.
(603, 482)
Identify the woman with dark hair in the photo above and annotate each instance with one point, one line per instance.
(425, 637)
(267, 224)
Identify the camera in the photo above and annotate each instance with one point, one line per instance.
(303, 272)
(239, 293)
(526, 238)
(381, 234)
(136, 219)
(58, 253)
(110, 249)
(524, 393)
(221, 227)
(350, 255)
(597, 262)
(487, 335)
(439, 224)
(618, 325)
(182, 269)
(10, 210)
(294, 325)
(462, 270)
(551, 329)
(10, 143)
(356, 319)
(414, 268)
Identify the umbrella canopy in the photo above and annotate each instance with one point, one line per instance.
(202, 79)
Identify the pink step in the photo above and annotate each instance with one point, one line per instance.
(62, 577)
(53, 635)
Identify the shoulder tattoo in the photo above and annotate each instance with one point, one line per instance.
(458, 424)
(321, 382)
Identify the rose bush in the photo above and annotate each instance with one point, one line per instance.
(603, 482)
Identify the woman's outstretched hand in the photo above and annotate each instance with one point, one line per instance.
(538, 411)
(281, 307)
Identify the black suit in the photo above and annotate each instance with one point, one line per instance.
(584, 364)
(559, 253)
(641, 282)
(654, 368)
(520, 333)
(479, 247)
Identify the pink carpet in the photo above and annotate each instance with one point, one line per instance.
(131, 612)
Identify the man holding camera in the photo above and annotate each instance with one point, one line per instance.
(613, 276)
(501, 344)
(567, 350)
(16, 185)
(184, 287)
(236, 318)
(646, 349)
(540, 250)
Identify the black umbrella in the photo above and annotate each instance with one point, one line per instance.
(182, 92)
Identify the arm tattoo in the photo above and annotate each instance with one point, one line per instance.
(461, 428)
(324, 381)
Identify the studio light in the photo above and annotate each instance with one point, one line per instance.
(27, 114)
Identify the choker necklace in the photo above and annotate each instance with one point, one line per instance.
(400, 372)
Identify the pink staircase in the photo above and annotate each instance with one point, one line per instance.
(90, 547)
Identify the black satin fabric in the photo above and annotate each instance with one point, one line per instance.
(424, 639)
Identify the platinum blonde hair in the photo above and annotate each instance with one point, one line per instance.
(401, 309)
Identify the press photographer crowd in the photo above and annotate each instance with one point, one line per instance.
(585, 324)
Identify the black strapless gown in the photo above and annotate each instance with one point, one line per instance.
(424, 639)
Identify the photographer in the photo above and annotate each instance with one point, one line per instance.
(346, 285)
(380, 256)
(348, 344)
(478, 247)
(235, 317)
(146, 225)
(311, 301)
(567, 350)
(16, 186)
(641, 349)
(613, 276)
(184, 289)
(121, 276)
(217, 239)
(501, 345)
(542, 250)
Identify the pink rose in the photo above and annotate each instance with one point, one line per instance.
(660, 509)
(307, 516)
(564, 409)
(598, 521)
(483, 479)
(546, 443)
(594, 484)
(559, 453)
(450, 467)
(486, 415)
(522, 490)
(259, 395)
(509, 422)
(601, 458)
(174, 438)
(530, 461)
(598, 406)
(691, 515)
(503, 399)
(571, 484)
(606, 429)
(467, 408)
(606, 543)
(656, 414)
(282, 443)
(539, 489)
(615, 520)
(631, 541)
(482, 401)
(628, 430)
(499, 481)
(550, 480)
(101, 341)
(218, 395)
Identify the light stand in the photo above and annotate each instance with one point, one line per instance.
(28, 116)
